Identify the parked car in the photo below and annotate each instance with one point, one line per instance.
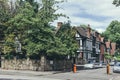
(112, 63)
(116, 67)
(89, 65)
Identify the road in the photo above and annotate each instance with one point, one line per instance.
(92, 74)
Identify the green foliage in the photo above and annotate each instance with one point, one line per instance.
(4, 11)
(116, 3)
(113, 32)
(19, 24)
(9, 44)
(117, 55)
(85, 26)
(107, 56)
(4, 17)
(67, 36)
(34, 4)
(30, 23)
(57, 49)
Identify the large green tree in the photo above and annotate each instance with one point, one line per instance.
(113, 32)
(33, 30)
(17, 26)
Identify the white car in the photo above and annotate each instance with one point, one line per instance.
(89, 65)
(112, 63)
(116, 67)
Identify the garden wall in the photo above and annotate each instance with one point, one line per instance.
(36, 65)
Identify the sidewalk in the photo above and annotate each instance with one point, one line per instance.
(29, 72)
(16, 77)
(25, 75)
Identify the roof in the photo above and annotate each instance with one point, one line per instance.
(81, 31)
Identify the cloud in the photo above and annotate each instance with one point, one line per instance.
(97, 13)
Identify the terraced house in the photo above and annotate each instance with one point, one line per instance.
(91, 45)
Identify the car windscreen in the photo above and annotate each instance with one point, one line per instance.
(117, 64)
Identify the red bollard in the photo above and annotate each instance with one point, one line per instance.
(108, 69)
(74, 68)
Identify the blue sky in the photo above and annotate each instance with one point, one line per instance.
(97, 13)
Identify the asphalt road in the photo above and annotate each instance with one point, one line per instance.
(92, 74)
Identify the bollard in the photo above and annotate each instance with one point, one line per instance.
(74, 68)
(108, 69)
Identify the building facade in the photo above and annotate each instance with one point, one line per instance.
(91, 45)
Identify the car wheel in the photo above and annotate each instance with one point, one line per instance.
(113, 71)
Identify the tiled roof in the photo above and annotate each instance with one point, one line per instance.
(82, 31)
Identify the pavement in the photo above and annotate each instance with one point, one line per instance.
(9, 77)
(28, 72)
(25, 75)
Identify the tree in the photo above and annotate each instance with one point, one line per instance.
(57, 49)
(67, 36)
(33, 3)
(4, 17)
(41, 33)
(107, 56)
(117, 55)
(86, 26)
(33, 29)
(113, 32)
(116, 3)
(4, 11)
(17, 27)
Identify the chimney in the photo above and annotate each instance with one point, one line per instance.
(88, 31)
(107, 44)
(102, 39)
(113, 46)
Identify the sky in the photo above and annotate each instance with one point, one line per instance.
(97, 13)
